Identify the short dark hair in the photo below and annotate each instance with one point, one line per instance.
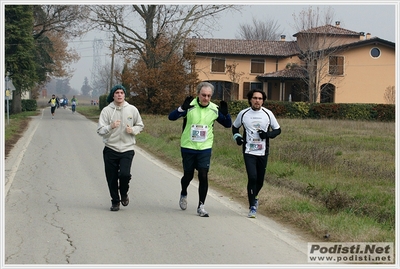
(251, 93)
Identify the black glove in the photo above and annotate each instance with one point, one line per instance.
(186, 104)
(223, 108)
(263, 135)
(239, 140)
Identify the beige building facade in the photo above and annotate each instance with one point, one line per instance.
(327, 64)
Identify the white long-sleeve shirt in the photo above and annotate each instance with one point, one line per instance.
(253, 121)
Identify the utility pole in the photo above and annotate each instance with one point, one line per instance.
(112, 63)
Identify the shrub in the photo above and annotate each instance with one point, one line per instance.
(302, 110)
(298, 110)
(28, 105)
(382, 112)
(103, 101)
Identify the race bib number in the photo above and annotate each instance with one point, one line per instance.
(256, 144)
(199, 133)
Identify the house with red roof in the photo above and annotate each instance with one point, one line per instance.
(326, 64)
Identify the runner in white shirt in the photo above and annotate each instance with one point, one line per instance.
(259, 126)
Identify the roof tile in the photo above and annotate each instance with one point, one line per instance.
(328, 29)
(244, 47)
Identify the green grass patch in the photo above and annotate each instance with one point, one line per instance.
(15, 123)
(326, 170)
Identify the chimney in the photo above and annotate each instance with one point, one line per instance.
(283, 37)
(361, 35)
(337, 23)
(368, 36)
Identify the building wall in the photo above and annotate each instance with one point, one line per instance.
(365, 78)
(324, 41)
(272, 64)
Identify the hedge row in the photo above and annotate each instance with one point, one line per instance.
(368, 112)
(26, 105)
(302, 110)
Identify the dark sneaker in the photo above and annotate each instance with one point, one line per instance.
(114, 207)
(125, 200)
(183, 202)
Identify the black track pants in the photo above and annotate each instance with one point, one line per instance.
(117, 166)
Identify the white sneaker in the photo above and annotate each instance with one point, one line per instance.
(252, 212)
(183, 202)
(201, 211)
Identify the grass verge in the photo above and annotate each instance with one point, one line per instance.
(15, 128)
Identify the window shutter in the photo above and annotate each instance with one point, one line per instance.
(217, 65)
(257, 66)
(246, 89)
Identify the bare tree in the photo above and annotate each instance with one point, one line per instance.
(390, 95)
(53, 27)
(259, 30)
(66, 19)
(310, 18)
(317, 49)
(235, 78)
(102, 78)
(141, 30)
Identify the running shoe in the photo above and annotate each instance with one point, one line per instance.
(125, 200)
(183, 202)
(201, 211)
(114, 207)
(252, 212)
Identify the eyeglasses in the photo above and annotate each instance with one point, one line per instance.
(257, 98)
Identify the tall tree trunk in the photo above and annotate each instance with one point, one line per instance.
(16, 103)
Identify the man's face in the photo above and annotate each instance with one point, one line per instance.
(205, 95)
(119, 96)
(257, 101)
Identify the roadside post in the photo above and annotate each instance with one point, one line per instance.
(8, 97)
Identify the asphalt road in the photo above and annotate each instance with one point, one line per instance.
(57, 209)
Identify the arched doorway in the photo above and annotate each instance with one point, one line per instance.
(327, 93)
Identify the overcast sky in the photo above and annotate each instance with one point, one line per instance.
(377, 18)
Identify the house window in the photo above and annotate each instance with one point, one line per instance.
(257, 66)
(218, 65)
(247, 86)
(375, 52)
(336, 65)
(256, 85)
